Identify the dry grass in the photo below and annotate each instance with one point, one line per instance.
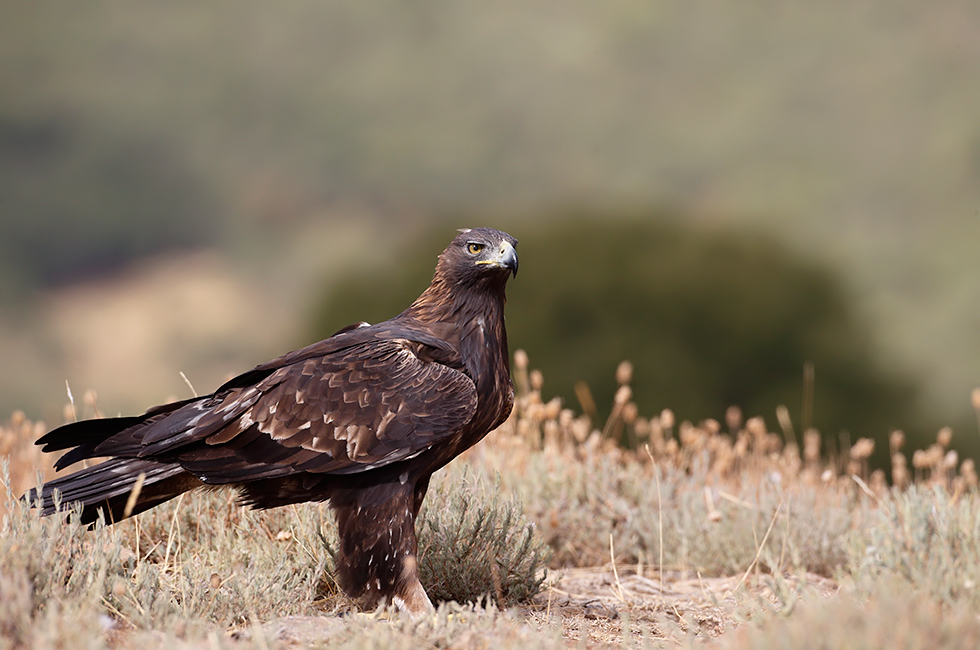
(893, 617)
(708, 533)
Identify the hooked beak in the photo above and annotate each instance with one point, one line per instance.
(507, 258)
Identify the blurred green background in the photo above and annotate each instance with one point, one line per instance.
(719, 192)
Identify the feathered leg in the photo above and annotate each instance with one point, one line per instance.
(378, 548)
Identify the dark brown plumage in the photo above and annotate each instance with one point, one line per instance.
(361, 419)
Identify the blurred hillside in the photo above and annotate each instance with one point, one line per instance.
(295, 138)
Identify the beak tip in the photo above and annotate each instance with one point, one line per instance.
(509, 259)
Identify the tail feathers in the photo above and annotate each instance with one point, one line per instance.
(86, 435)
(107, 487)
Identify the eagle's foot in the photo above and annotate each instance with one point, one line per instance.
(413, 600)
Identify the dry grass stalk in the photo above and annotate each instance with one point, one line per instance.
(762, 545)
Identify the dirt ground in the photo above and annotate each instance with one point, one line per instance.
(595, 606)
(592, 603)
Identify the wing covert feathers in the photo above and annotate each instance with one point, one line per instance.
(349, 410)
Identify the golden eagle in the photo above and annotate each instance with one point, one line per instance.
(361, 419)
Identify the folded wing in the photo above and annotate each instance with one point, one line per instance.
(344, 411)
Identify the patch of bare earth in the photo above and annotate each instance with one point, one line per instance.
(600, 605)
(596, 608)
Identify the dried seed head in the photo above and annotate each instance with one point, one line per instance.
(898, 460)
(594, 441)
(642, 427)
(552, 409)
(623, 395)
(656, 431)
(537, 379)
(520, 359)
(878, 482)
(551, 432)
(785, 422)
(689, 435)
(944, 437)
(900, 476)
(773, 443)
(756, 426)
(969, 472)
(667, 419)
(534, 411)
(951, 459)
(862, 449)
(733, 418)
(920, 459)
(624, 373)
(566, 417)
(630, 411)
(711, 426)
(896, 439)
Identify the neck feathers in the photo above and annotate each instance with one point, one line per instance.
(445, 302)
(471, 318)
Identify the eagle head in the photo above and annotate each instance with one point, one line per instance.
(472, 272)
(479, 253)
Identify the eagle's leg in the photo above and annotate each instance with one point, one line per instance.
(413, 598)
(378, 548)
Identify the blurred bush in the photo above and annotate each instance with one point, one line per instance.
(709, 319)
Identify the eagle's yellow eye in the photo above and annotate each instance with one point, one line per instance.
(474, 248)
